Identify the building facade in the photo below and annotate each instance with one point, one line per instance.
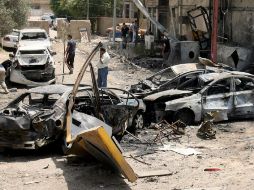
(39, 7)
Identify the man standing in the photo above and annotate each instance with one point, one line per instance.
(166, 48)
(124, 30)
(134, 30)
(103, 68)
(2, 79)
(70, 53)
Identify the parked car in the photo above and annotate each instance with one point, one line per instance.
(10, 40)
(33, 36)
(32, 66)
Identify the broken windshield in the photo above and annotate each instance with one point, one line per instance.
(33, 52)
(33, 36)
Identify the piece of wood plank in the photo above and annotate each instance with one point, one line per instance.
(143, 174)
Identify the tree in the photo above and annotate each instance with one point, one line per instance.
(77, 9)
(13, 14)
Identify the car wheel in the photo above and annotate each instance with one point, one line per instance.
(185, 115)
(138, 121)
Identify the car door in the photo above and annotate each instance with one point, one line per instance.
(243, 97)
(218, 100)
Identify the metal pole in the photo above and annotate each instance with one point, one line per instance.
(214, 31)
(87, 14)
(172, 20)
(114, 22)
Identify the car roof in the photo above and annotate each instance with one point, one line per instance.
(32, 30)
(55, 89)
(51, 89)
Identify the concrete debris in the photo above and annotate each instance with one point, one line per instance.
(180, 150)
(144, 174)
(206, 130)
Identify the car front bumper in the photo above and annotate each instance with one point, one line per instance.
(16, 76)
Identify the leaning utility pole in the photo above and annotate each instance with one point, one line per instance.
(87, 14)
(214, 31)
(114, 22)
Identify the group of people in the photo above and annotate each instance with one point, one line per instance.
(104, 59)
(129, 34)
(102, 64)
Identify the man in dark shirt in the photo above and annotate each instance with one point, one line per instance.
(125, 31)
(166, 48)
(70, 53)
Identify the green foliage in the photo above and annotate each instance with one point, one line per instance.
(13, 14)
(77, 9)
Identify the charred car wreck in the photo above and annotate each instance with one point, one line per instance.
(229, 94)
(37, 117)
(32, 66)
(84, 119)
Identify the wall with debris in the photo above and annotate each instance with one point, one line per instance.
(74, 28)
(106, 22)
(38, 24)
(238, 19)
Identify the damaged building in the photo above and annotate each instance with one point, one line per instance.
(191, 20)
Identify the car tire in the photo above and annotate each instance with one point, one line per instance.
(185, 115)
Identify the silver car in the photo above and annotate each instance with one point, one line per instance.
(229, 94)
(32, 66)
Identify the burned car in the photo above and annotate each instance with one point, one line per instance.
(37, 117)
(79, 117)
(229, 94)
(170, 78)
(32, 66)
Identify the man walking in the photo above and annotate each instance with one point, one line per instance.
(70, 53)
(103, 68)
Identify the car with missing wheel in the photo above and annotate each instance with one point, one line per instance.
(37, 117)
(230, 95)
(32, 66)
(84, 120)
(166, 85)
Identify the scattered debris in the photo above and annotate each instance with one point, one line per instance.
(180, 150)
(141, 140)
(212, 169)
(46, 167)
(144, 174)
(140, 160)
(206, 130)
(170, 131)
(31, 182)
